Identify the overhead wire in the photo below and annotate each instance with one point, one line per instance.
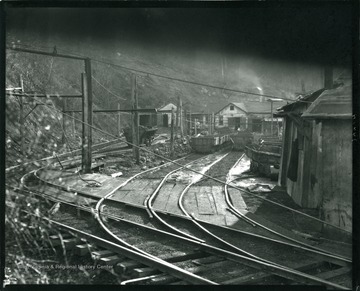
(205, 175)
(147, 73)
(107, 90)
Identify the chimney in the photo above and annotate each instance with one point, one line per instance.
(328, 78)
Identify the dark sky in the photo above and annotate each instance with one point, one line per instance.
(306, 33)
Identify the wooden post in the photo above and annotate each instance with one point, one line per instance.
(22, 138)
(185, 124)
(119, 120)
(209, 123)
(135, 123)
(195, 126)
(172, 133)
(190, 127)
(213, 122)
(177, 114)
(272, 118)
(73, 122)
(87, 118)
(63, 120)
(181, 119)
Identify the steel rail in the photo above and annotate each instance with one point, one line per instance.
(194, 220)
(315, 251)
(241, 215)
(95, 147)
(190, 277)
(215, 179)
(273, 269)
(146, 260)
(148, 201)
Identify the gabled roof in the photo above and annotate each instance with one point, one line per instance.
(239, 105)
(334, 103)
(255, 107)
(167, 107)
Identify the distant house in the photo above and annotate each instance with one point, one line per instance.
(253, 116)
(164, 114)
(316, 163)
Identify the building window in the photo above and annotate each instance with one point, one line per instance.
(221, 120)
(231, 107)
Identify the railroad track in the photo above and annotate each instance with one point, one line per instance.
(220, 256)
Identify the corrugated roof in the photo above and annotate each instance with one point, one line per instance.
(334, 103)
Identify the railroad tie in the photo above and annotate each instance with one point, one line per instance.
(163, 279)
(126, 266)
(97, 255)
(56, 238)
(144, 272)
(82, 250)
(110, 261)
(208, 260)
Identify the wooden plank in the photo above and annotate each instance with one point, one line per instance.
(136, 185)
(203, 202)
(189, 201)
(172, 203)
(138, 196)
(237, 199)
(219, 199)
(163, 196)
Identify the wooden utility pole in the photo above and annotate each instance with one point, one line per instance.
(172, 133)
(181, 118)
(63, 120)
(87, 118)
(135, 123)
(190, 128)
(119, 120)
(177, 114)
(22, 120)
(185, 124)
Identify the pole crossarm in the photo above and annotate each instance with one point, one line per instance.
(116, 111)
(43, 95)
(45, 53)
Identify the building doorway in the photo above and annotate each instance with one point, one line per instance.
(165, 120)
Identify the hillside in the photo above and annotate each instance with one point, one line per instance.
(45, 75)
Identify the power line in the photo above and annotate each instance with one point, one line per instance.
(107, 90)
(187, 81)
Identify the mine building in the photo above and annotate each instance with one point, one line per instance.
(316, 162)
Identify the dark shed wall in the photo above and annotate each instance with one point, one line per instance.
(337, 172)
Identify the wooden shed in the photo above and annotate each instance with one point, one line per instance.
(316, 163)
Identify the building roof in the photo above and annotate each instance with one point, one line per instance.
(262, 107)
(255, 107)
(167, 107)
(334, 103)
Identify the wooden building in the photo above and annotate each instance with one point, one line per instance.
(316, 162)
(253, 116)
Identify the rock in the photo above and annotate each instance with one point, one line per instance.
(144, 168)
